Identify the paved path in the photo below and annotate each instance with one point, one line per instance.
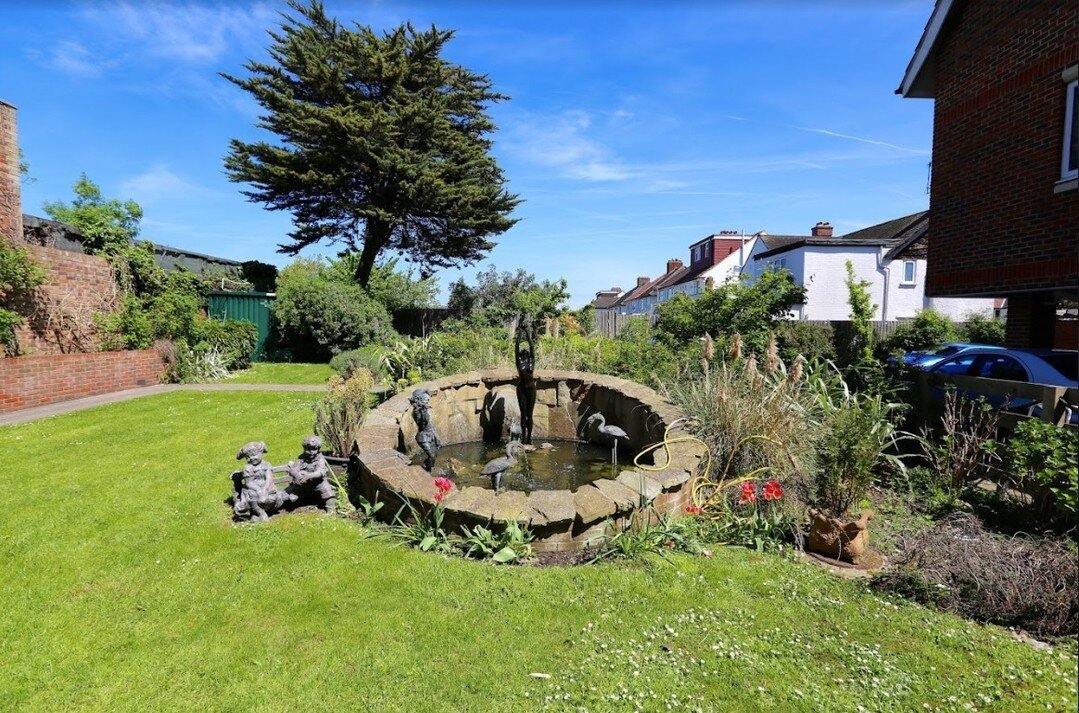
(61, 407)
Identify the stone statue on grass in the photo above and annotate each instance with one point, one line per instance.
(256, 495)
(310, 477)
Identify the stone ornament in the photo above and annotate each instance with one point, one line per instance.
(832, 537)
(309, 476)
(426, 437)
(256, 494)
(526, 375)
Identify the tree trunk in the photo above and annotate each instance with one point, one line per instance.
(375, 235)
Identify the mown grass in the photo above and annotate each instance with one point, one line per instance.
(274, 373)
(126, 586)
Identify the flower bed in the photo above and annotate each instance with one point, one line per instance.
(472, 406)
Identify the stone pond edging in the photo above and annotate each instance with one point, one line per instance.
(474, 405)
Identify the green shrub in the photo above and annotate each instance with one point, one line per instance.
(234, 339)
(318, 317)
(857, 433)
(982, 329)
(928, 329)
(1045, 461)
(751, 309)
(19, 276)
(810, 339)
(372, 357)
(127, 328)
(340, 413)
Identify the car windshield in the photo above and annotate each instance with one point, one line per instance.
(1067, 364)
(945, 351)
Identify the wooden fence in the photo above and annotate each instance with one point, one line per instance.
(1057, 403)
(609, 324)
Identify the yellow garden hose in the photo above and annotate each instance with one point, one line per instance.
(706, 494)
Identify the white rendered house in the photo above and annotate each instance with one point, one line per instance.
(891, 256)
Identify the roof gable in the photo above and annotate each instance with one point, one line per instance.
(920, 79)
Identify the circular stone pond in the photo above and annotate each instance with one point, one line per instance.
(471, 413)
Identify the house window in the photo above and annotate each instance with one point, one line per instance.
(1069, 164)
(696, 254)
(780, 264)
(909, 272)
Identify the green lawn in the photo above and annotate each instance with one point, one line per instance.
(267, 373)
(124, 585)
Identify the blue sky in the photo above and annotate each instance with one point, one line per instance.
(633, 129)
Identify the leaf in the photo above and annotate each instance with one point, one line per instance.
(427, 543)
(504, 555)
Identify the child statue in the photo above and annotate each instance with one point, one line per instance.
(426, 437)
(310, 475)
(255, 492)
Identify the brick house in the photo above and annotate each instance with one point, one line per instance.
(1005, 183)
(712, 261)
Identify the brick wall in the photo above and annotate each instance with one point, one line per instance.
(36, 380)
(59, 320)
(998, 225)
(10, 180)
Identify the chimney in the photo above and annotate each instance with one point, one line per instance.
(822, 230)
(10, 179)
(673, 265)
(642, 281)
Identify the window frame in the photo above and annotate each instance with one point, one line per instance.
(1070, 131)
(914, 273)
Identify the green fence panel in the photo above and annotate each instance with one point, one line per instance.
(254, 307)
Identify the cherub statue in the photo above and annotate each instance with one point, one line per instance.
(310, 476)
(255, 492)
(426, 437)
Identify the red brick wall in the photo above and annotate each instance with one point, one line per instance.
(36, 380)
(10, 180)
(60, 318)
(998, 226)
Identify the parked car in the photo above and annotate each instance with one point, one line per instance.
(925, 360)
(1052, 367)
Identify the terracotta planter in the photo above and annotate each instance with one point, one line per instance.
(847, 541)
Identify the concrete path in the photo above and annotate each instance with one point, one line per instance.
(61, 407)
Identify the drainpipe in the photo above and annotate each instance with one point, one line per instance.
(887, 285)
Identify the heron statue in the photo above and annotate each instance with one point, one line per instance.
(498, 466)
(614, 432)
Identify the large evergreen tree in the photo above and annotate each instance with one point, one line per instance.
(383, 144)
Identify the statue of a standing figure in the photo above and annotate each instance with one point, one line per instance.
(426, 437)
(310, 476)
(526, 375)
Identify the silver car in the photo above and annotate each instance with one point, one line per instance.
(1052, 367)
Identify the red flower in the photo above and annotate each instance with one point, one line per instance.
(749, 493)
(439, 495)
(443, 484)
(773, 490)
(694, 509)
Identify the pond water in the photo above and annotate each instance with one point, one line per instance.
(566, 466)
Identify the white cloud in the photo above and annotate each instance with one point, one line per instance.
(562, 142)
(188, 32)
(72, 58)
(159, 183)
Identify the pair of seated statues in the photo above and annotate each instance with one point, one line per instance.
(255, 492)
